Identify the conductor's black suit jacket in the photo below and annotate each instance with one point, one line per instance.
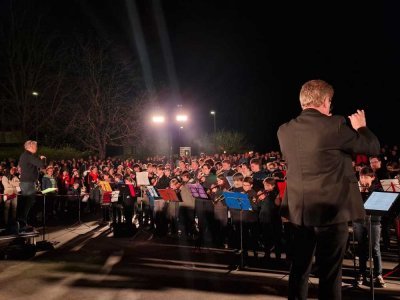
(322, 188)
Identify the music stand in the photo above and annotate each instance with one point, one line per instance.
(123, 195)
(390, 185)
(239, 202)
(152, 193)
(43, 244)
(230, 180)
(142, 178)
(157, 204)
(379, 204)
(197, 190)
(79, 222)
(393, 185)
(168, 195)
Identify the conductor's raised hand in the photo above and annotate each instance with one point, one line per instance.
(358, 119)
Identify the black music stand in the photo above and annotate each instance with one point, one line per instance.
(153, 194)
(79, 222)
(43, 244)
(379, 204)
(239, 202)
(203, 212)
(157, 204)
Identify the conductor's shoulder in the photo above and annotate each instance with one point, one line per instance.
(338, 118)
(282, 129)
(284, 126)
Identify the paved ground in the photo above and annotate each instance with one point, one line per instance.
(89, 263)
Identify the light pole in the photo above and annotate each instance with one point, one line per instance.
(180, 118)
(36, 94)
(160, 119)
(213, 113)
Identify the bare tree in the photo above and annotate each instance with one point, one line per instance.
(109, 110)
(31, 85)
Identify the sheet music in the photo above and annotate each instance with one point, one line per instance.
(114, 196)
(142, 178)
(49, 190)
(380, 201)
(152, 191)
(197, 191)
(390, 185)
(230, 180)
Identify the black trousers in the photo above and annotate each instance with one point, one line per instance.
(204, 210)
(328, 243)
(28, 192)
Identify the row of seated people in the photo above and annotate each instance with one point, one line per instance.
(206, 219)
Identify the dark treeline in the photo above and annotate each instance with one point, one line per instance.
(80, 89)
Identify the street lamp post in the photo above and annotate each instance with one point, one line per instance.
(36, 94)
(180, 118)
(213, 113)
(180, 129)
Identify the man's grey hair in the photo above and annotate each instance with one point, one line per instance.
(29, 144)
(313, 93)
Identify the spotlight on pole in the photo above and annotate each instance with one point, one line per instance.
(158, 119)
(181, 118)
(214, 114)
(35, 93)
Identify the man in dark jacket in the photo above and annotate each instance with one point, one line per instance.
(162, 181)
(322, 193)
(29, 165)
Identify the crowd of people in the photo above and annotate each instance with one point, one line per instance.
(261, 177)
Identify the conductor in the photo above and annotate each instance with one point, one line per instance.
(322, 193)
(29, 165)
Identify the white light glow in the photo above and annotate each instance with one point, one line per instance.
(158, 119)
(181, 118)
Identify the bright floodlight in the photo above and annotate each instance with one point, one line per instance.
(158, 119)
(181, 118)
(212, 112)
(35, 93)
(181, 127)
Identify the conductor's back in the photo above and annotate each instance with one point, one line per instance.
(322, 193)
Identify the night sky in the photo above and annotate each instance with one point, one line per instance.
(248, 59)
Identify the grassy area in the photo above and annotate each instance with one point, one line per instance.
(50, 153)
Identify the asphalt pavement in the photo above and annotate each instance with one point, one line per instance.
(87, 262)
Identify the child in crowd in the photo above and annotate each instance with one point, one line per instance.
(368, 184)
(250, 218)
(269, 218)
